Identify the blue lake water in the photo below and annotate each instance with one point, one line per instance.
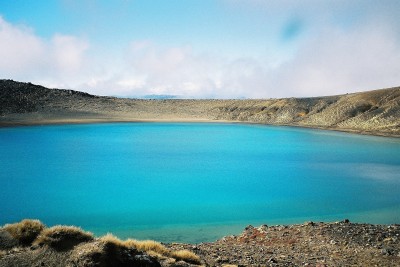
(192, 182)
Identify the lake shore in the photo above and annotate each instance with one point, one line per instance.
(17, 120)
(374, 112)
(310, 244)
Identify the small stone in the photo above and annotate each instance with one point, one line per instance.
(388, 239)
(387, 251)
(249, 227)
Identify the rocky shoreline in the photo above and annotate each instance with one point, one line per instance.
(310, 244)
(374, 112)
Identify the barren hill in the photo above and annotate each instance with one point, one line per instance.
(374, 112)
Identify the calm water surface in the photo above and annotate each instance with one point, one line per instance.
(194, 182)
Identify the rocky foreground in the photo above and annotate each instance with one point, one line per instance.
(29, 243)
(374, 112)
(310, 244)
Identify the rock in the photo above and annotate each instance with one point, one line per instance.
(388, 251)
(310, 223)
(249, 227)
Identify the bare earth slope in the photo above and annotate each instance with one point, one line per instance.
(374, 112)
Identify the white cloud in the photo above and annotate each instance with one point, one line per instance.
(143, 68)
(328, 59)
(68, 52)
(174, 70)
(152, 69)
(20, 49)
(27, 57)
(345, 46)
(338, 61)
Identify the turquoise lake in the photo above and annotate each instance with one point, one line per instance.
(194, 182)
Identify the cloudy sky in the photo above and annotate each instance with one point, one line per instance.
(202, 48)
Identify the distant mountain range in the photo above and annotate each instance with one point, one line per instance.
(160, 97)
(373, 112)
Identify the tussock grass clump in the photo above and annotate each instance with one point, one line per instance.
(185, 255)
(147, 245)
(63, 237)
(113, 250)
(158, 250)
(25, 231)
(113, 240)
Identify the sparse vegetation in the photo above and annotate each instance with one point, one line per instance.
(111, 239)
(158, 250)
(152, 248)
(108, 247)
(63, 237)
(147, 245)
(114, 251)
(25, 231)
(185, 255)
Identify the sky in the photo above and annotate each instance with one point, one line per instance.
(202, 48)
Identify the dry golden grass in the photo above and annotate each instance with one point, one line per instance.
(25, 231)
(157, 255)
(111, 239)
(63, 237)
(147, 245)
(185, 255)
(159, 251)
(151, 248)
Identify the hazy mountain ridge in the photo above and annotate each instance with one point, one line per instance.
(373, 112)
